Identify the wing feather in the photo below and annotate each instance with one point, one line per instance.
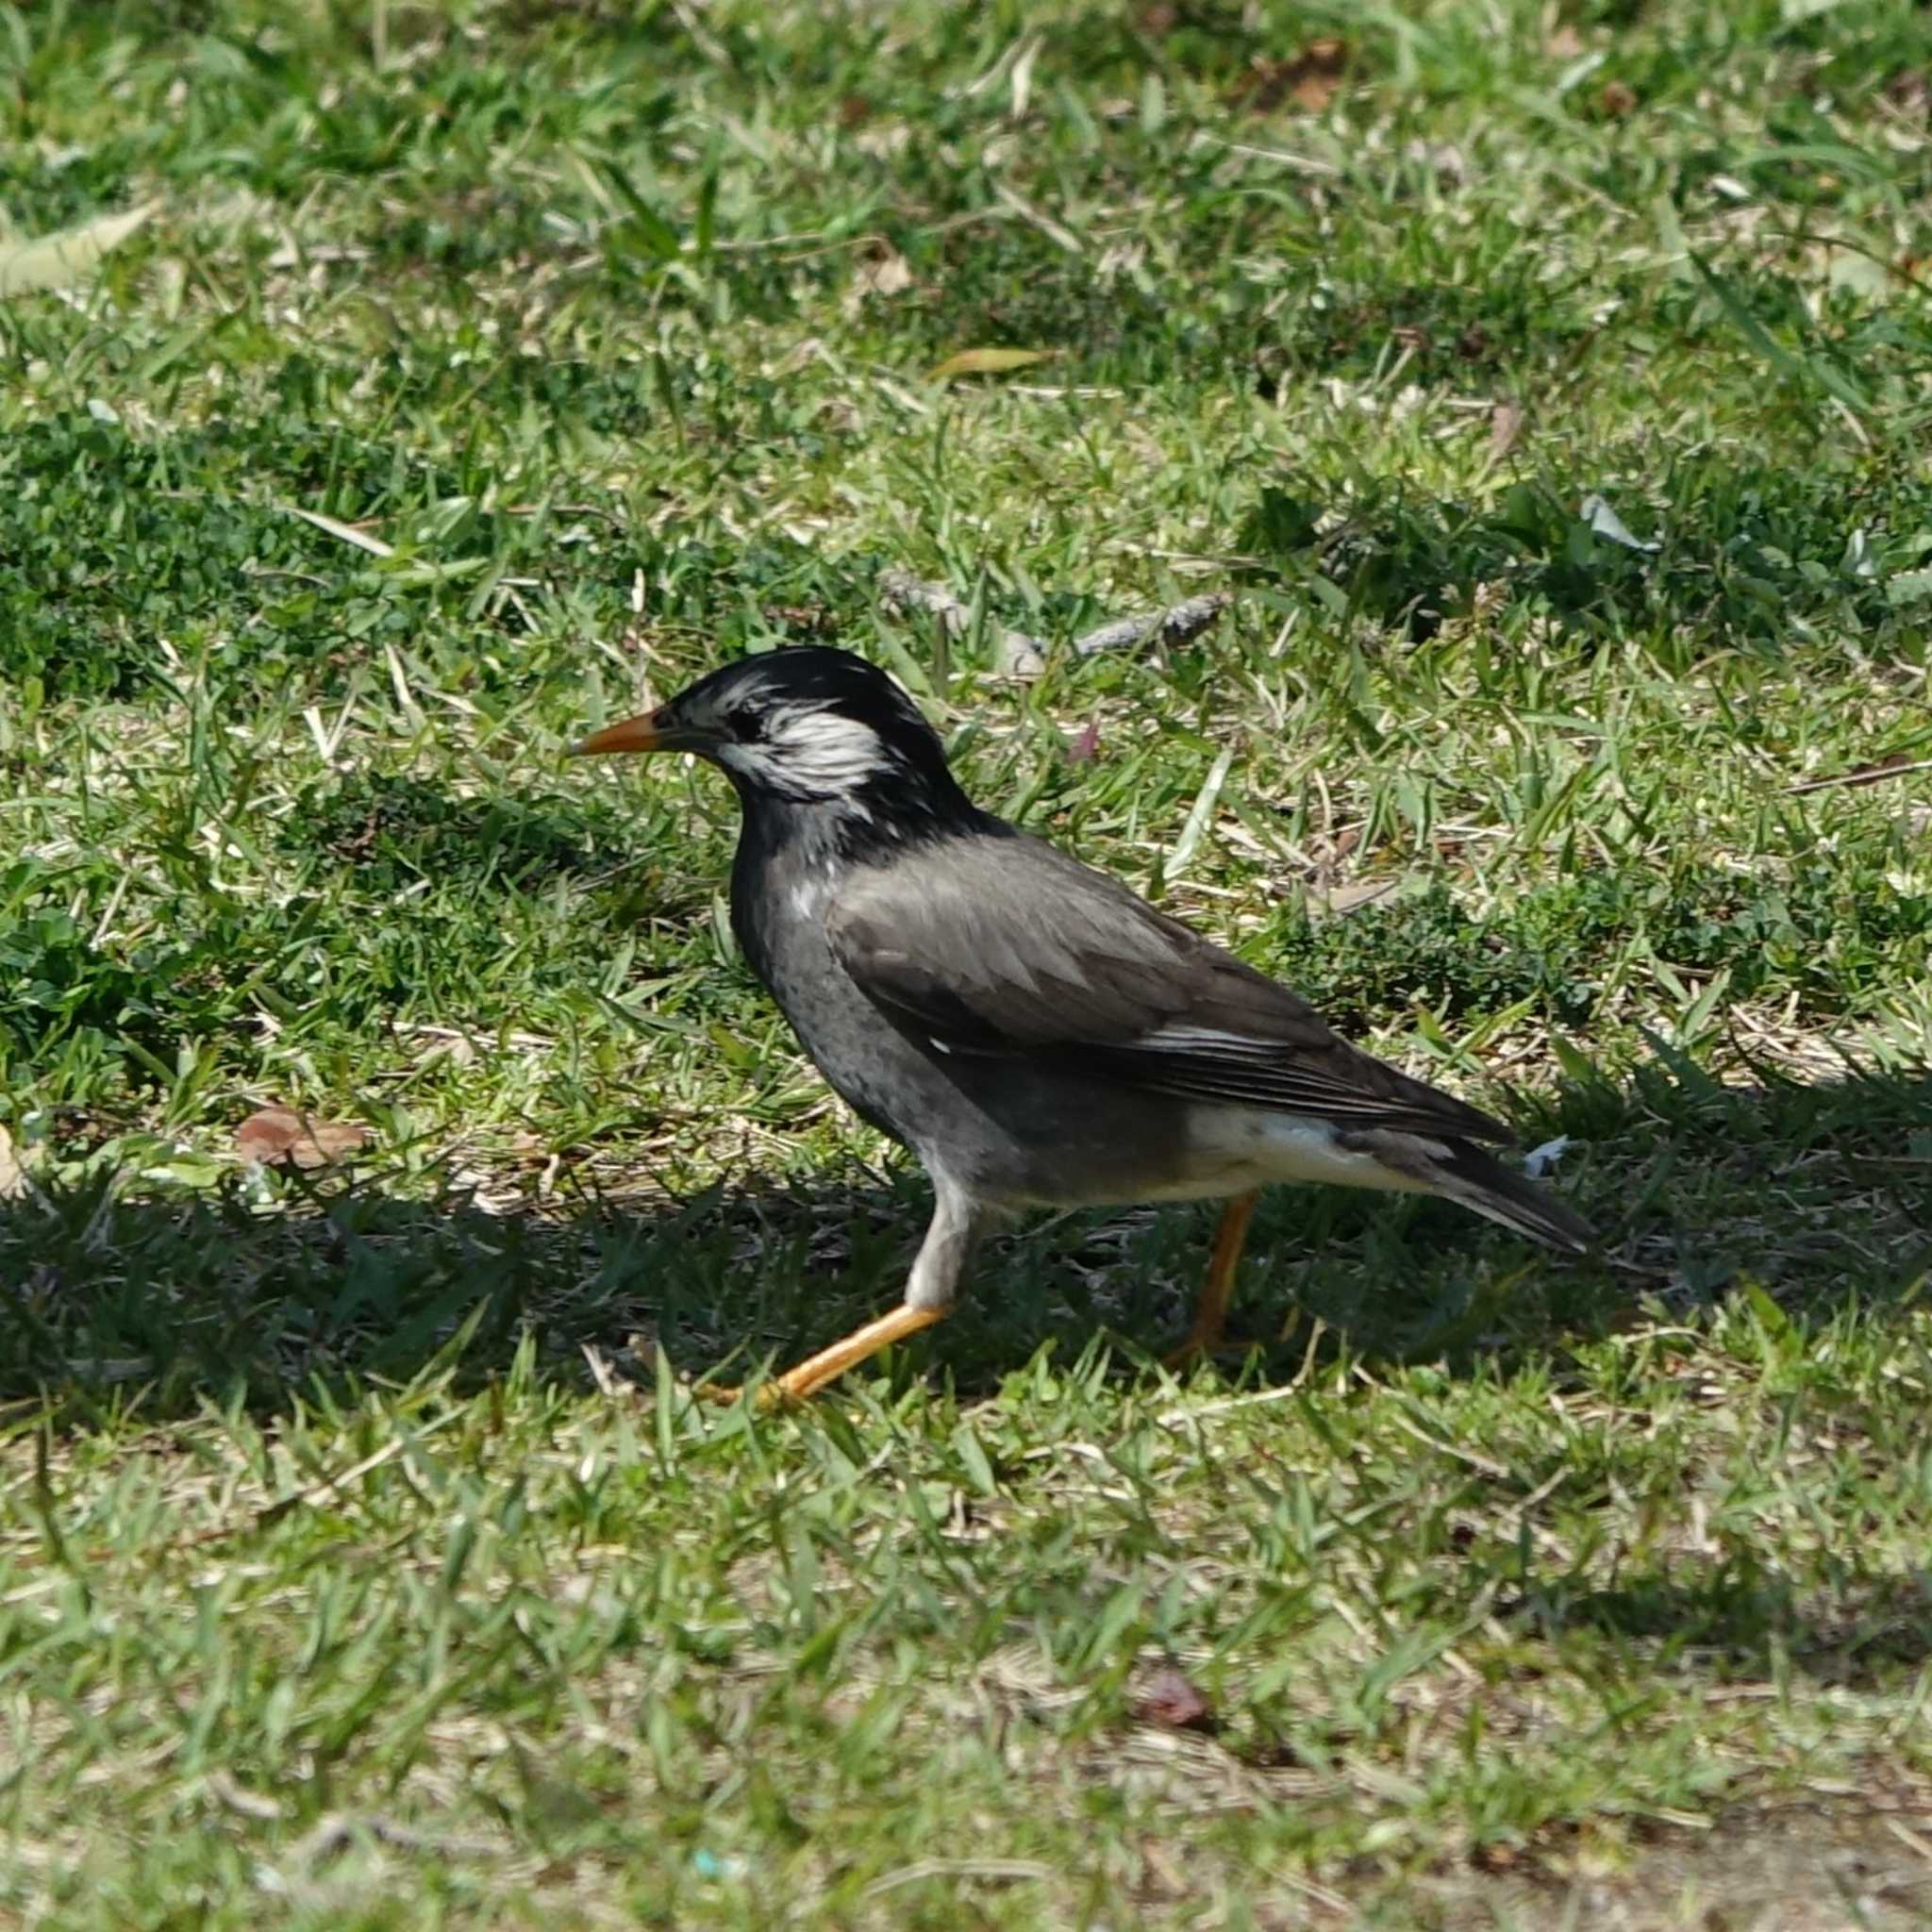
(999, 945)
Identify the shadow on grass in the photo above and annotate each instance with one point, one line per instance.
(1819, 1195)
(1750, 1614)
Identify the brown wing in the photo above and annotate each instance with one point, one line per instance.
(1000, 945)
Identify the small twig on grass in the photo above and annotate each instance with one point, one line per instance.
(1022, 655)
(1176, 625)
(1864, 774)
(337, 1830)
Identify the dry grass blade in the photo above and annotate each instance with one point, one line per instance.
(985, 362)
(1056, 232)
(1005, 1871)
(228, 1790)
(1200, 816)
(347, 532)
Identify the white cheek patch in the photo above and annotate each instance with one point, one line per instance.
(822, 753)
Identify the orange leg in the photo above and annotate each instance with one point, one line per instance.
(812, 1374)
(1217, 1291)
(957, 1223)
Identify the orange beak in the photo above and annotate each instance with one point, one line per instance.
(641, 733)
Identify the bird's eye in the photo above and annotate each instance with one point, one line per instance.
(748, 726)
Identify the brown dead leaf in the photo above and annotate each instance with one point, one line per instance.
(279, 1136)
(1170, 1698)
(882, 272)
(854, 110)
(1910, 92)
(813, 619)
(1505, 425)
(1309, 78)
(1157, 21)
(1338, 900)
(13, 1180)
(356, 846)
(1618, 99)
(1086, 746)
(1564, 44)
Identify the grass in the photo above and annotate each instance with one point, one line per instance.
(363, 1560)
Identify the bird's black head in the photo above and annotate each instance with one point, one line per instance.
(809, 726)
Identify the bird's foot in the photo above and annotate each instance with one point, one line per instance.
(800, 1384)
(1208, 1336)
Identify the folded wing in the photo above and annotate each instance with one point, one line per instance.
(999, 945)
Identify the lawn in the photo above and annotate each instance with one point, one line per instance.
(1548, 386)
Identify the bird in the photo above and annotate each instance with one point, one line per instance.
(1033, 1031)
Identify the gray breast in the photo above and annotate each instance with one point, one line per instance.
(779, 915)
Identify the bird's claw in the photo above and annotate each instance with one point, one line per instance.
(766, 1396)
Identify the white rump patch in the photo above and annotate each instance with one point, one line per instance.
(1231, 1149)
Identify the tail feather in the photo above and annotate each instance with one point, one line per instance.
(1473, 1177)
(1477, 1179)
